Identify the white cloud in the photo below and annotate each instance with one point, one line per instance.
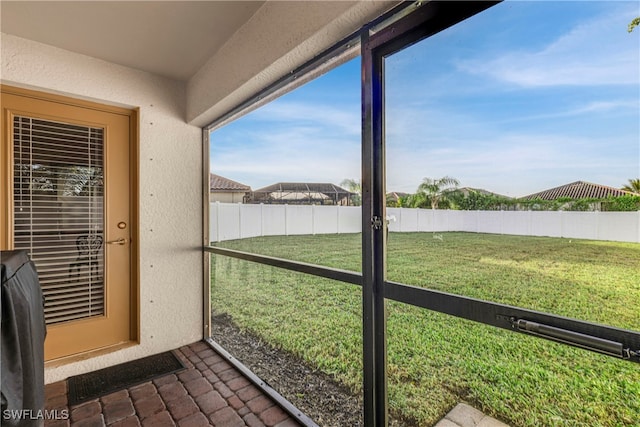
(295, 142)
(595, 52)
(595, 107)
(331, 117)
(515, 161)
(603, 106)
(511, 164)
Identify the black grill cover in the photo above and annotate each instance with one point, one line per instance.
(23, 331)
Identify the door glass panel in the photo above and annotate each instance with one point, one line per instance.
(58, 213)
(509, 139)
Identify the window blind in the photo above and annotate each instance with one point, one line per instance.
(58, 213)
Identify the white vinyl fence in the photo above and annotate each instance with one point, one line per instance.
(230, 221)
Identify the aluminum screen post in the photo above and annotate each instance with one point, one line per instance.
(373, 239)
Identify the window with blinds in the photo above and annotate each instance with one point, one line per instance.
(58, 213)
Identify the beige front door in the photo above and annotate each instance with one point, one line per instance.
(66, 191)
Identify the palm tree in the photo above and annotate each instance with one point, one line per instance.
(417, 200)
(437, 190)
(355, 187)
(633, 186)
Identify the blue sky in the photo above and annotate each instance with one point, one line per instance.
(520, 98)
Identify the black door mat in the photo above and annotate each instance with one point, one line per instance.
(108, 380)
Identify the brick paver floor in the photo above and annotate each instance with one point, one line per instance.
(464, 415)
(210, 392)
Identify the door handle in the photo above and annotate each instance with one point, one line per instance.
(120, 241)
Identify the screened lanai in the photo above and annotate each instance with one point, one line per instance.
(301, 193)
(407, 343)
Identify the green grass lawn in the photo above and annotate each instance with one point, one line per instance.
(434, 360)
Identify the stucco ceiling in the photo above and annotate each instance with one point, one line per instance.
(171, 39)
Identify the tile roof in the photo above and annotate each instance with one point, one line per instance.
(578, 190)
(219, 183)
(467, 190)
(396, 195)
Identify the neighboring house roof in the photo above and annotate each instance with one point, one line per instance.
(220, 184)
(397, 195)
(578, 190)
(467, 190)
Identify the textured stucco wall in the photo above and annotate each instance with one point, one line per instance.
(170, 187)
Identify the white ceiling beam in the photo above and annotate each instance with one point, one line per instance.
(278, 38)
